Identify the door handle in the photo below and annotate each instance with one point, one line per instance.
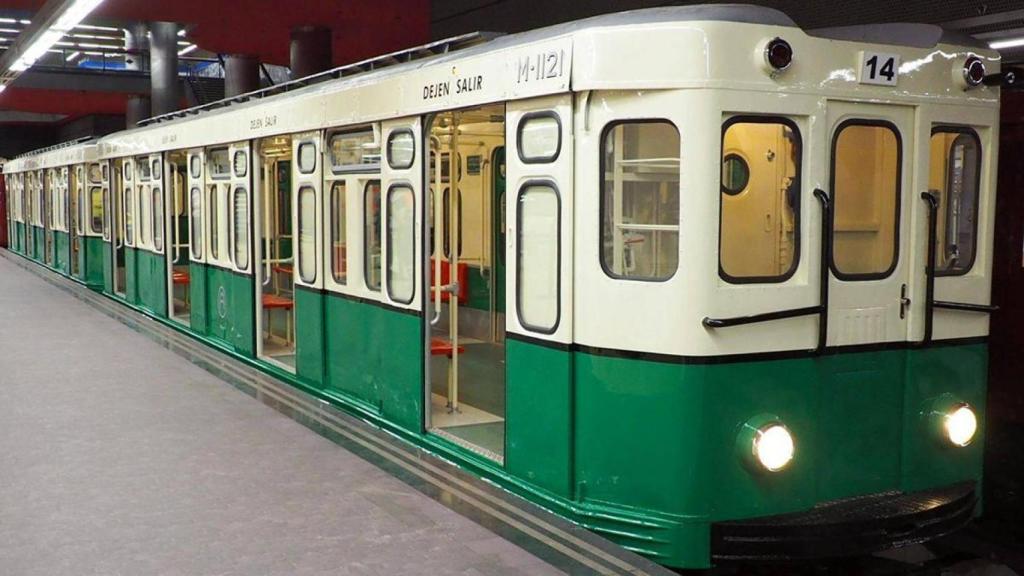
(904, 301)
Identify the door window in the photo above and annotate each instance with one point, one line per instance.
(954, 177)
(866, 157)
(539, 253)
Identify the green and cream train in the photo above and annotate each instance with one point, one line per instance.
(705, 283)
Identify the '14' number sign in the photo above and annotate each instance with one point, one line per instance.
(878, 68)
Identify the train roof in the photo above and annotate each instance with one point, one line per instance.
(600, 52)
(63, 154)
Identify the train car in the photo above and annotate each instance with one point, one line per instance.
(5, 217)
(703, 282)
(56, 210)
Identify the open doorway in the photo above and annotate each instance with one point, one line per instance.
(180, 254)
(466, 270)
(276, 304)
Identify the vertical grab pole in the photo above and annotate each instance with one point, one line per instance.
(929, 298)
(453, 258)
(826, 250)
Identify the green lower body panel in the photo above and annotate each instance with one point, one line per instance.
(150, 281)
(62, 252)
(92, 256)
(230, 308)
(309, 336)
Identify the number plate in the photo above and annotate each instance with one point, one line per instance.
(879, 68)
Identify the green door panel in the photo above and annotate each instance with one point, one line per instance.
(309, 336)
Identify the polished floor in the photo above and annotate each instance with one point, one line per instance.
(119, 456)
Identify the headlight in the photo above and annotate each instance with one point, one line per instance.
(765, 443)
(960, 424)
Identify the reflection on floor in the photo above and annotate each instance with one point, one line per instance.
(279, 352)
(479, 424)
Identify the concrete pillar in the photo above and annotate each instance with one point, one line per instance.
(138, 109)
(310, 51)
(163, 67)
(241, 74)
(136, 42)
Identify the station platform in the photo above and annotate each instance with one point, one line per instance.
(126, 447)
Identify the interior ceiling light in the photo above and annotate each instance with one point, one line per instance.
(64, 24)
(187, 49)
(1011, 43)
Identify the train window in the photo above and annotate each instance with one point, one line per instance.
(214, 210)
(129, 216)
(241, 164)
(144, 216)
(145, 172)
(954, 177)
(401, 244)
(540, 137)
(401, 149)
(196, 166)
(355, 151)
(640, 200)
(158, 222)
(866, 158)
(127, 170)
(760, 199)
(196, 206)
(240, 228)
(218, 163)
(446, 221)
(371, 235)
(307, 234)
(105, 210)
(307, 157)
(339, 227)
(95, 174)
(156, 168)
(538, 244)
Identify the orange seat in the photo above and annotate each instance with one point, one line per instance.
(181, 278)
(286, 270)
(442, 347)
(271, 301)
(462, 277)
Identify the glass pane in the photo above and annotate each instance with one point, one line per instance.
(196, 201)
(195, 166)
(371, 235)
(401, 149)
(214, 209)
(241, 164)
(339, 227)
(354, 151)
(540, 139)
(144, 169)
(158, 224)
(144, 216)
(129, 213)
(401, 244)
(640, 201)
(955, 168)
(241, 229)
(760, 195)
(307, 157)
(105, 211)
(219, 163)
(866, 175)
(95, 174)
(307, 234)
(539, 247)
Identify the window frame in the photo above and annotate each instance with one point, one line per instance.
(298, 235)
(350, 168)
(798, 179)
(333, 190)
(971, 132)
(387, 150)
(600, 203)
(898, 212)
(519, 137)
(298, 156)
(549, 183)
(366, 245)
(386, 233)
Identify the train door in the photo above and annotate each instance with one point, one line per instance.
(75, 194)
(870, 292)
(46, 189)
(189, 280)
(123, 222)
(178, 222)
(466, 360)
(275, 256)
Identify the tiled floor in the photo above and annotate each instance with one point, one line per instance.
(119, 457)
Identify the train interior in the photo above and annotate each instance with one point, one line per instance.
(467, 270)
(277, 301)
(180, 247)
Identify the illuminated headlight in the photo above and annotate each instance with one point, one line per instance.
(766, 444)
(960, 425)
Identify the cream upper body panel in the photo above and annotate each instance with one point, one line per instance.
(60, 156)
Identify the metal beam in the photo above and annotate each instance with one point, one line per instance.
(42, 21)
(85, 80)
